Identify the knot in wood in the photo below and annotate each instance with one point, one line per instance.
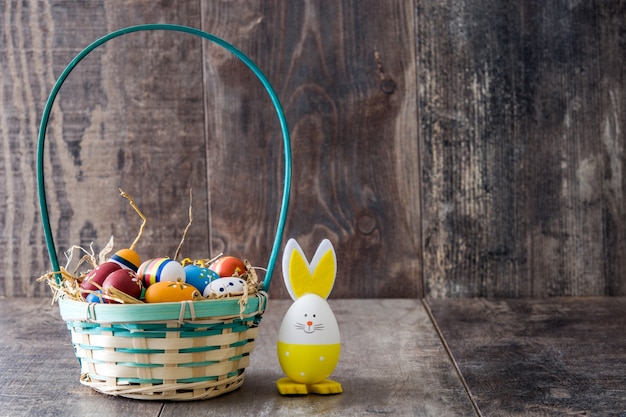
(388, 86)
(366, 224)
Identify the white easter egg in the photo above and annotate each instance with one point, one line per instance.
(225, 286)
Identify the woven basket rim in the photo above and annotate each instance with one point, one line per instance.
(219, 309)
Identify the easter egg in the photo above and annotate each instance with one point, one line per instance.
(309, 342)
(126, 258)
(225, 286)
(123, 280)
(95, 297)
(160, 269)
(97, 276)
(228, 266)
(199, 277)
(168, 291)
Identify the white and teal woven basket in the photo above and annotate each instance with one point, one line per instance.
(176, 351)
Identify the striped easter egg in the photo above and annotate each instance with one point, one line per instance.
(127, 259)
(160, 269)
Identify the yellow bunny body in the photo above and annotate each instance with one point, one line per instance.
(308, 364)
(309, 342)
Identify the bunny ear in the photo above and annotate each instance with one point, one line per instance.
(292, 250)
(318, 277)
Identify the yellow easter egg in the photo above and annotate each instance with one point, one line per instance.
(170, 291)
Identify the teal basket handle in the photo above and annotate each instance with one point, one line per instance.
(176, 28)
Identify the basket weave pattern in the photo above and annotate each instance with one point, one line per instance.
(178, 359)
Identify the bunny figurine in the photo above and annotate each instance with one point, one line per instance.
(308, 340)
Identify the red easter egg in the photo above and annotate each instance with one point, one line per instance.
(97, 276)
(124, 280)
(228, 266)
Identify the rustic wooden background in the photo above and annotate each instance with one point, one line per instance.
(448, 149)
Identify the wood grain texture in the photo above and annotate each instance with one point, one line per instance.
(348, 93)
(159, 113)
(39, 372)
(521, 120)
(129, 116)
(448, 149)
(560, 356)
(400, 371)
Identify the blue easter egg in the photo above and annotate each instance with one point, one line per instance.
(95, 297)
(199, 277)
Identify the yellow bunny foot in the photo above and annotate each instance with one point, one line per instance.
(326, 387)
(287, 386)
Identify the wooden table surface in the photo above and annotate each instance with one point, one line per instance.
(541, 357)
(392, 363)
(464, 357)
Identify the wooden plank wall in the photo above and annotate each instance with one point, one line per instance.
(448, 149)
(521, 117)
(132, 116)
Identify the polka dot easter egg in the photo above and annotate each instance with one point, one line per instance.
(160, 269)
(225, 287)
(199, 277)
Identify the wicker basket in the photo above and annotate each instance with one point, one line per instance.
(175, 351)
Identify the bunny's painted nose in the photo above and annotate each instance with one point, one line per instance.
(309, 323)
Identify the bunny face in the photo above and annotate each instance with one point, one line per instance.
(309, 321)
